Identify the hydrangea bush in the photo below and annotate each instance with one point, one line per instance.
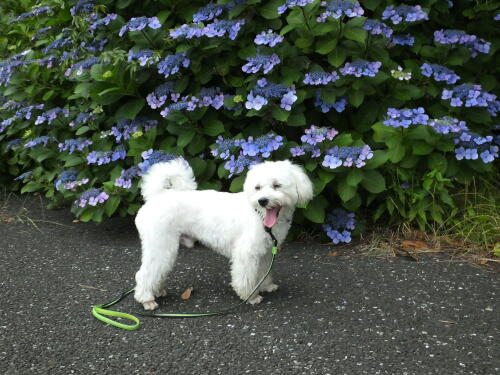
(390, 108)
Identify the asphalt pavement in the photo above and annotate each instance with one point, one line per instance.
(348, 314)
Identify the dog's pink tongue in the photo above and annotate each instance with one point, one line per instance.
(271, 217)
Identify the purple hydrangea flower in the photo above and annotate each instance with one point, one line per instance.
(102, 22)
(92, 197)
(376, 27)
(403, 40)
(34, 13)
(68, 180)
(439, 73)
(339, 105)
(404, 13)
(468, 96)
(337, 9)
(145, 57)
(124, 128)
(152, 157)
(140, 23)
(406, 117)
(315, 135)
(106, 157)
(225, 147)
(472, 146)
(347, 156)
(264, 62)
(261, 146)
(171, 63)
(293, 3)
(320, 78)
(44, 140)
(265, 90)
(126, 176)
(454, 37)
(338, 225)
(445, 125)
(236, 165)
(74, 144)
(158, 97)
(268, 38)
(51, 115)
(221, 28)
(361, 68)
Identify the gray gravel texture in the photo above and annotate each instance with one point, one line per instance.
(350, 314)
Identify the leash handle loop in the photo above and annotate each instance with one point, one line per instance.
(99, 312)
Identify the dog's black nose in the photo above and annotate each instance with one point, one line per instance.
(263, 202)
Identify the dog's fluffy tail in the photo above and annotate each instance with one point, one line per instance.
(175, 174)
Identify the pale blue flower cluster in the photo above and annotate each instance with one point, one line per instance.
(268, 38)
(404, 13)
(320, 78)
(126, 176)
(105, 21)
(140, 23)
(439, 73)
(170, 64)
(406, 117)
(467, 95)
(43, 140)
(145, 57)
(337, 9)
(124, 128)
(293, 3)
(69, 180)
(260, 94)
(446, 125)
(454, 37)
(472, 146)
(80, 66)
(151, 157)
(208, 96)
(82, 7)
(74, 144)
(312, 139)
(106, 157)
(403, 40)
(57, 44)
(158, 97)
(34, 13)
(212, 11)
(347, 156)
(215, 29)
(264, 62)
(361, 68)
(375, 27)
(50, 115)
(92, 197)
(339, 105)
(82, 119)
(42, 31)
(338, 225)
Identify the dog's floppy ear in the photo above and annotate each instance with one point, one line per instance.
(303, 184)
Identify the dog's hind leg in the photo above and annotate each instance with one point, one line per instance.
(159, 252)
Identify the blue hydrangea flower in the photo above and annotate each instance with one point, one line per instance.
(406, 117)
(261, 146)
(126, 176)
(208, 12)
(158, 97)
(50, 115)
(236, 165)
(223, 27)
(57, 44)
(106, 157)
(268, 38)
(361, 68)
(347, 156)
(315, 135)
(124, 128)
(337, 9)
(68, 180)
(13, 143)
(42, 31)
(293, 3)
(320, 78)
(264, 62)
(82, 7)
(315, 151)
(34, 13)
(265, 90)
(152, 157)
(187, 31)
(454, 37)
(446, 125)
(145, 57)
(403, 40)
(225, 147)
(376, 27)
(44, 140)
(255, 101)
(338, 225)
(24, 176)
(404, 13)
(497, 17)
(74, 144)
(92, 197)
(105, 21)
(185, 103)
(140, 23)
(80, 66)
(96, 45)
(439, 73)
(468, 96)
(211, 96)
(171, 63)
(472, 146)
(339, 105)
(82, 119)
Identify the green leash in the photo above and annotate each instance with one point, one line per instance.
(101, 312)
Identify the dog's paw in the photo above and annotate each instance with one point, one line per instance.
(187, 241)
(255, 300)
(150, 305)
(161, 293)
(270, 288)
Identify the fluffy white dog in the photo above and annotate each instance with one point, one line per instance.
(231, 224)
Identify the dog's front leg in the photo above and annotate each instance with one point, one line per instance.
(244, 276)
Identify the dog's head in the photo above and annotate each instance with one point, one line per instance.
(273, 185)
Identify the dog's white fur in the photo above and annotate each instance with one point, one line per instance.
(231, 224)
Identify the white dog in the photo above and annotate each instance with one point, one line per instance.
(231, 224)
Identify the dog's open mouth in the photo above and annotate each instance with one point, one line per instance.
(271, 216)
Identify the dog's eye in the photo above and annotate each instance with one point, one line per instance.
(276, 186)
(257, 187)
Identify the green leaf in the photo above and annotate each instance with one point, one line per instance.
(270, 10)
(297, 120)
(357, 34)
(237, 184)
(379, 158)
(280, 114)
(356, 97)
(373, 181)
(82, 130)
(111, 205)
(213, 127)
(422, 148)
(354, 177)
(130, 109)
(325, 46)
(337, 57)
(185, 137)
(346, 192)
(315, 210)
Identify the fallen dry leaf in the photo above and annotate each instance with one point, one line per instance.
(418, 244)
(483, 261)
(333, 253)
(187, 293)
